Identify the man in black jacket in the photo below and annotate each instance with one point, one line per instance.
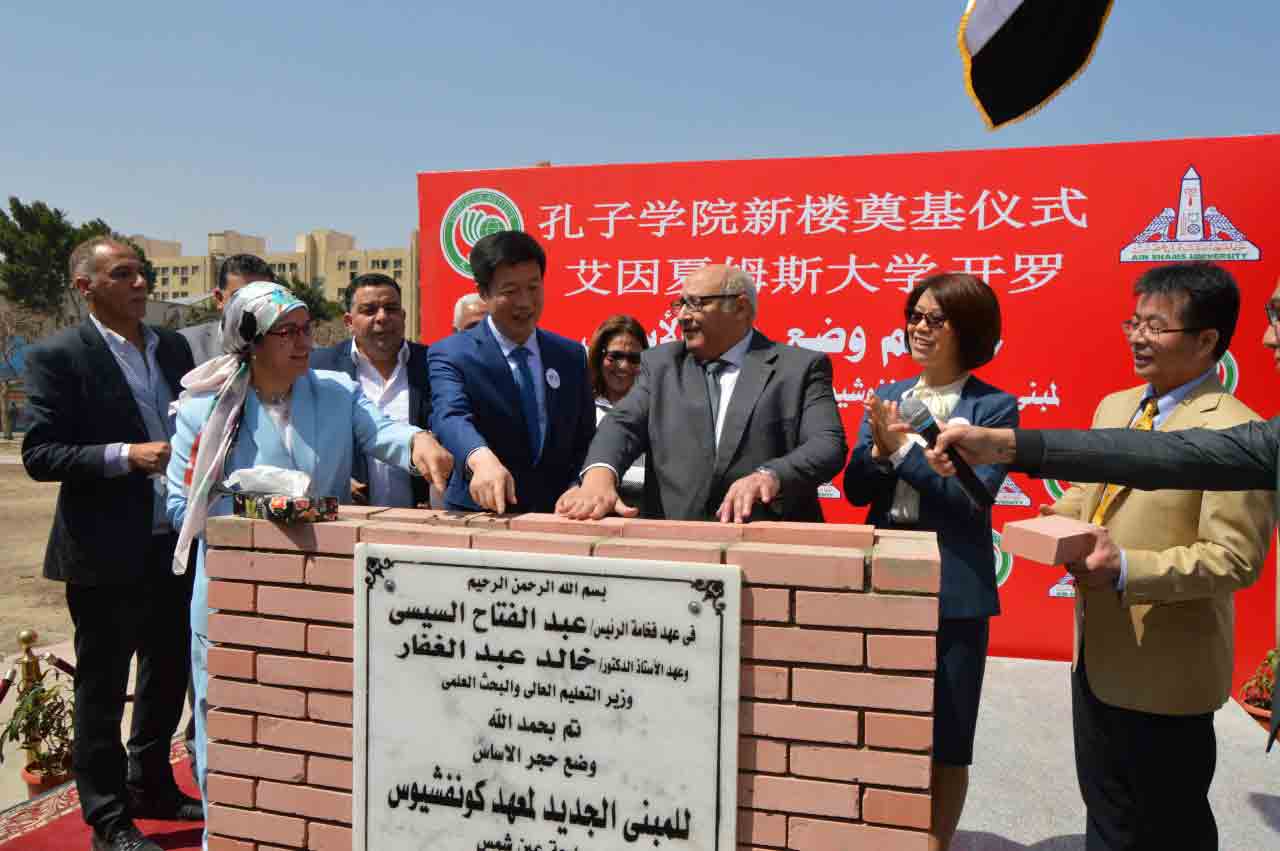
(99, 394)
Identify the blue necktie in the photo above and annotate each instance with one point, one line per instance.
(528, 400)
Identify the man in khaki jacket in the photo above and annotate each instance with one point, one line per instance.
(1154, 627)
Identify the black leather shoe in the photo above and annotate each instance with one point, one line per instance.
(169, 806)
(127, 838)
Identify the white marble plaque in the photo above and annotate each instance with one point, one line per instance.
(524, 702)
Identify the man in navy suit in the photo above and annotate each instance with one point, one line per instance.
(512, 402)
(392, 373)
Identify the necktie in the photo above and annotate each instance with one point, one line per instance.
(528, 400)
(711, 371)
(1145, 422)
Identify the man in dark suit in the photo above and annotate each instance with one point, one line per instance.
(1244, 457)
(737, 427)
(511, 401)
(99, 394)
(237, 270)
(392, 373)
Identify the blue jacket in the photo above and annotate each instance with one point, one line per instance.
(475, 402)
(337, 358)
(964, 534)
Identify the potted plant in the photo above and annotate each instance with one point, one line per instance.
(41, 724)
(1255, 693)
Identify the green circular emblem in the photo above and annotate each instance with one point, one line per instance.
(1229, 372)
(1054, 487)
(1004, 561)
(474, 214)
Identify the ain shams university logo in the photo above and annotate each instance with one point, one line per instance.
(1004, 561)
(474, 214)
(1199, 233)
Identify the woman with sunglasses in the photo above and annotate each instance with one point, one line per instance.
(261, 404)
(613, 362)
(952, 328)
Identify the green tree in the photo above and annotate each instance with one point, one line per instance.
(312, 295)
(36, 241)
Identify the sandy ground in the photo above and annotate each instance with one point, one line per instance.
(28, 599)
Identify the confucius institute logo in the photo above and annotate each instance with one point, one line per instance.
(1055, 488)
(1229, 372)
(474, 214)
(1004, 561)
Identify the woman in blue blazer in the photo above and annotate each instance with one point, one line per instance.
(953, 327)
(261, 404)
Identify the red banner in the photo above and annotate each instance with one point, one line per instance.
(1060, 234)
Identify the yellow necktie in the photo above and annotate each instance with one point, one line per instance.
(1145, 422)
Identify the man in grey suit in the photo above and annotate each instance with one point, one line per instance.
(736, 427)
(236, 271)
(1246, 457)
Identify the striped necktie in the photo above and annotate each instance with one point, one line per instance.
(1145, 422)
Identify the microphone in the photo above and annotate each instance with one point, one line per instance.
(922, 423)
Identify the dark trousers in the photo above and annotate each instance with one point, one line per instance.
(1144, 778)
(151, 618)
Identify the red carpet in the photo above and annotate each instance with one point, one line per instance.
(52, 822)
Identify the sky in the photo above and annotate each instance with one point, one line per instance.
(273, 118)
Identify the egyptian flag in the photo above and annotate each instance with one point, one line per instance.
(1018, 54)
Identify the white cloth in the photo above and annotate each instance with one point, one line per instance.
(388, 485)
(940, 401)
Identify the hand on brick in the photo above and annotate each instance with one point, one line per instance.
(1101, 568)
(431, 459)
(492, 486)
(596, 497)
(744, 494)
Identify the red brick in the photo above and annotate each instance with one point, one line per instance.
(902, 652)
(905, 732)
(810, 567)
(793, 644)
(229, 532)
(484, 521)
(764, 828)
(762, 755)
(330, 641)
(1049, 539)
(887, 806)
(332, 571)
(766, 604)
(692, 551)
(230, 726)
(305, 604)
(248, 824)
(883, 535)
(225, 789)
(322, 706)
(251, 566)
(328, 837)
(307, 673)
(873, 691)
(223, 843)
(327, 771)
(805, 834)
(337, 537)
(803, 723)
(257, 762)
(359, 512)
(251, 697)
(683, 530)
(420, 515)
(231, 596)
(908, 565)
(555, 524)
(257, 632)
(843, 535)
(227, 662)
(882, 768)
(305, 801)
(533, 542)
(792, 795)
(865, 611)
(305, 736)
(416, 534)
(767, 682)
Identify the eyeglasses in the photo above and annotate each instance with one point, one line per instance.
(632, 358)
(697, 302)
(933, 320)
(1146, 328)
(293, 331)
(1273, 312)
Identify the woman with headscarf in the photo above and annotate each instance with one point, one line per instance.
(260, 404)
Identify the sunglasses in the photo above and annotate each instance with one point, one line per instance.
(632, 358)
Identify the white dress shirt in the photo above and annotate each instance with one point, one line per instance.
(728, 378)
(387, 484)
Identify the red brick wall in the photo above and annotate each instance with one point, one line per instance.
(837, 660)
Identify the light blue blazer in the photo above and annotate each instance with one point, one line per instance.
(331, 419)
